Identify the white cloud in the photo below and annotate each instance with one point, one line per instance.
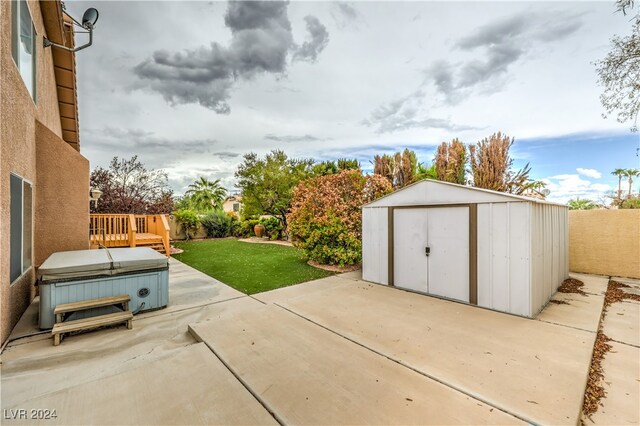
(382, 61)
(592, 173)
(567, 186)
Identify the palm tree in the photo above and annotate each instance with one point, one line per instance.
(581, 204)
(630, 174)
(205, 195)
(620, 173)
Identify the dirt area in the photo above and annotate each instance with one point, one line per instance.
(334, 268)
(616, 294)
(595, 391)
(175, 250)
(559, 302)
(256, 240)
(572, 285)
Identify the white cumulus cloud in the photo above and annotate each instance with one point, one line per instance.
(592, 173)
(567, 186)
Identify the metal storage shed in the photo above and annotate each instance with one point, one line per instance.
(495, 250)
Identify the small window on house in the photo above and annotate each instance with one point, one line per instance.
(236, 207)
(23, 44)
(21, 230)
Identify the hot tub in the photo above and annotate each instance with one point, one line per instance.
(74, 276)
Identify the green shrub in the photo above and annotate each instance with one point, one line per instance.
(325, 219)
(273, 227)
(329, 242)
(631, 203)
(188, 220)
(235, 229)
(217, 224)
(245, 228)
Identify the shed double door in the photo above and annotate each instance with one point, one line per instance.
(431, 251)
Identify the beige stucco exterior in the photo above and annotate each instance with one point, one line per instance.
(605, 242)
(62, 204)
(227, 205)
(31, 146)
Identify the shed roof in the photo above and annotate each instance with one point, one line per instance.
(432, 192)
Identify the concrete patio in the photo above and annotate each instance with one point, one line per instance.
(337, 350)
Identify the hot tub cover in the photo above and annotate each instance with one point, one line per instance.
(113, 261)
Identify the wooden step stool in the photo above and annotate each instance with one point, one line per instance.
(61, 327)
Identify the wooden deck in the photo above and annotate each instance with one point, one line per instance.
(128, 230)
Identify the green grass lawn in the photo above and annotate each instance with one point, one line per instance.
(249, 268)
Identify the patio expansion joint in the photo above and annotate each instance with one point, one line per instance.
(256, 299)
(401, 363)
(257, 397)
(161, 312)
(625, 343)
(566, 326)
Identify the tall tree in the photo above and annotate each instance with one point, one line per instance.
(206, 195)
(630, 174)
(581, 204)
(424, 172)
(619, 72)
(267, 183)
(405, 164)
(400, 169)
(383, 166)
(129, 187)
(324, 168)
(620, 173)
(491, 166)
(348, 164)
(450, 162)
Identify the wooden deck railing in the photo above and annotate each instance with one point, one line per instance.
(128, 230)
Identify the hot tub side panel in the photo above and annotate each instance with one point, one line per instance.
(56, 293)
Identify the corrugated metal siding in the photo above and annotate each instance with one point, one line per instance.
(504, 257)
(522, 249)
(375, 262)
(549, 245)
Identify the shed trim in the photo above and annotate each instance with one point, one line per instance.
(390, 246)
(473, 244)
(473, 254)
(472, 188)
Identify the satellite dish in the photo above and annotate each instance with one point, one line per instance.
(546, 192)
(90, 18)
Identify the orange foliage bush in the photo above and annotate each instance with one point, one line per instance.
(325, 219)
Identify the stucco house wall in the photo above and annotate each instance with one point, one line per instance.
(62, 202)
(227, 205)
(27, 129)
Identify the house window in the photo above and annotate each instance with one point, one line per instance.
(21, 229)
(236, 207)
(23, 44)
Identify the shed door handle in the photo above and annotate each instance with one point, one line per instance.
(427, 251)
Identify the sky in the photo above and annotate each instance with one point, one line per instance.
(190, 87)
